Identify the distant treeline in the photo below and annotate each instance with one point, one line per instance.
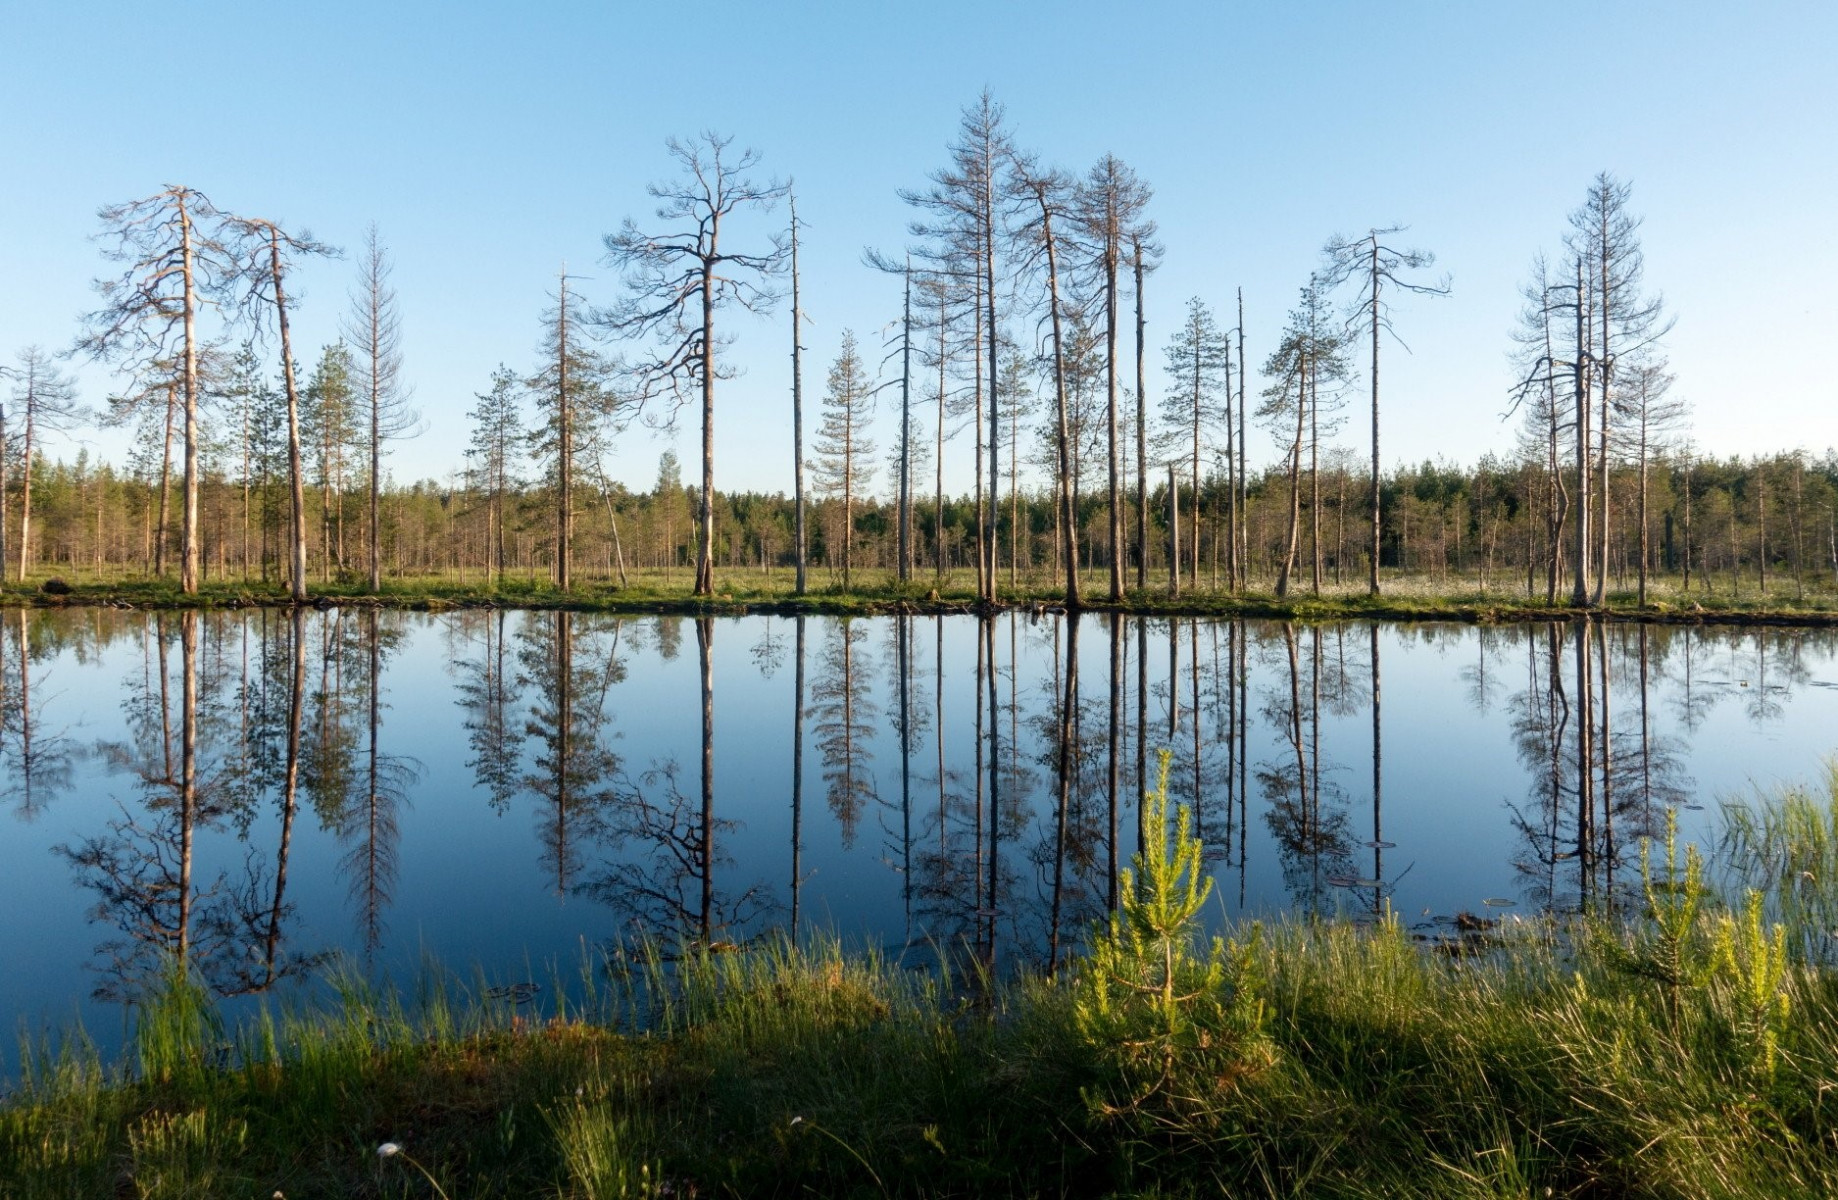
(1725, 525)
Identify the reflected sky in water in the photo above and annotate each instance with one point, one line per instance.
(267, 792)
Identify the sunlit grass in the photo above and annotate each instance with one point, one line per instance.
(1426, 596)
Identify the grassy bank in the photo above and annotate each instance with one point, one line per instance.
(1683, 1049)
(745, 590)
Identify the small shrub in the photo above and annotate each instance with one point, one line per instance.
(1151, 1006)
(55, 587)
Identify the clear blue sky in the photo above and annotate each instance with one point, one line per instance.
(491, 143)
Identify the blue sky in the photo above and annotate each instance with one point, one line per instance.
(493, 143)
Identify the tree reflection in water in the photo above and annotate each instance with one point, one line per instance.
(969, 765)
(35, 763)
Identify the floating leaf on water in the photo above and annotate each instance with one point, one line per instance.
(1381, 845)
(516, 993)
(1500, 902)
(1692, 807)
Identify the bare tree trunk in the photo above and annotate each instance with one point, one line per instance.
(801, 551)
(1244, 485)
(1174, 541)
(1314, 479)
(295, 474)
(1645, 539)
(1068, 513)
(1142, 442)
(988, 217)
(1110, 387)
(983, 586)
(564, 490)
(905, 570)
(1372, 579)
(1295, 488)
(705, 501)
(159, 559)
(25, 499)
(1231, 477)
(188, 541)
(938, 455)
(1579, 595)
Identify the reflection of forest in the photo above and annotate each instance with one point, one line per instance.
(990, 770)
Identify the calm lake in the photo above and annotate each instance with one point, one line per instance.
(506, 790)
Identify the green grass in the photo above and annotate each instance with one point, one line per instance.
(1674, 1051)
(1405, 597)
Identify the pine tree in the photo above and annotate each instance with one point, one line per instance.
(332, 431)
(845, 456)
(497, 422)
(1199, 371)
(569, 389)
(43, 400)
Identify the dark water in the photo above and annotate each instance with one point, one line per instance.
(271, 791)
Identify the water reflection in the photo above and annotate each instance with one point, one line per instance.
(35, 762)
(274, 779)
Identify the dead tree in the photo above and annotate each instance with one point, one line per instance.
(956, 238)
(43, 400)
(677, 279)
(800, 549)
(1049, 195)
(266, 249)
(1199, 368)
(1605, 240)
(1145, 256)
(1110, 208)
(374, 329)
(172, 243)
(1375, 266)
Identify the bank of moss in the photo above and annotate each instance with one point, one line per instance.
(741, 592)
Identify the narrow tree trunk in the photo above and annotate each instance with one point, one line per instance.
(1579, 595)
(25, 495)
(564, 417)
(1372, 578)
(1174, 541)
(1295, 487)
(1110, 386)
(188, 540)
(1142, 438)
(705, 502)
(992, 333)
(1244, 484)
(159, 559)
(295, 474)
(1068, 513)
(905, 569)
(800, 550)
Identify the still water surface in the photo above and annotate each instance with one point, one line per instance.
(271, 791)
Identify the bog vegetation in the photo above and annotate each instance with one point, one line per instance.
(1683, 1046)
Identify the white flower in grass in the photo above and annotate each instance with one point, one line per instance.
(388, 1150)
